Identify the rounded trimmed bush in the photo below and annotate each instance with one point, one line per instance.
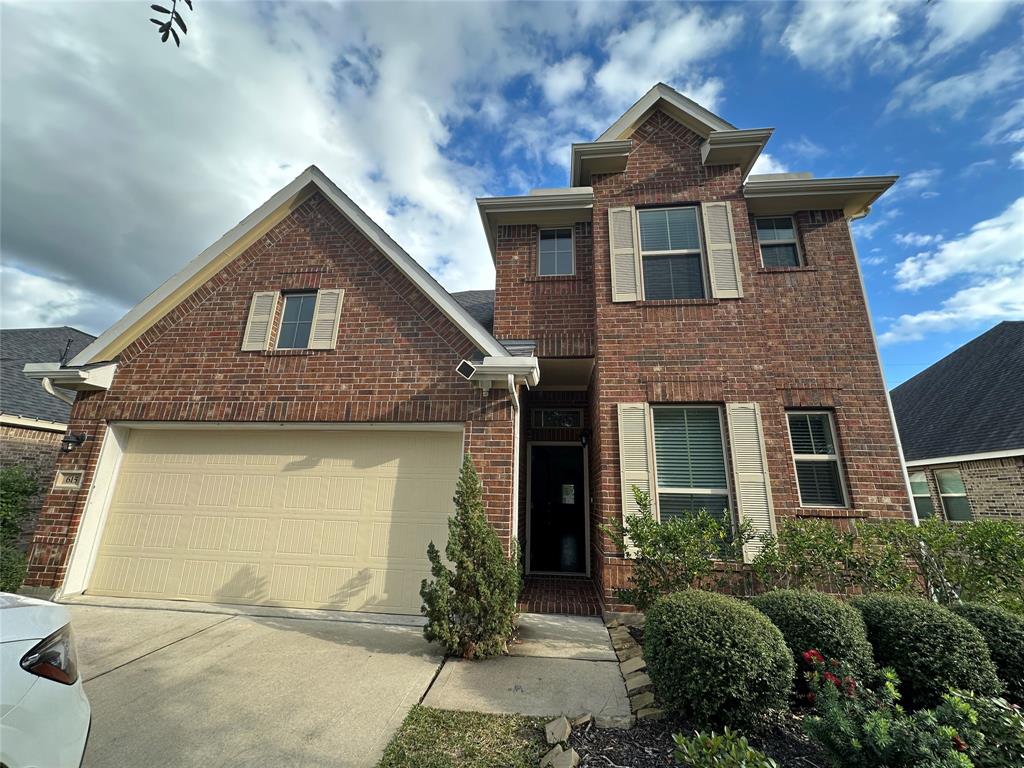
(1004, 634)
(715, 660)
(809, 619)
(930, 648)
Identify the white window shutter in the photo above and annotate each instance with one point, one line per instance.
(261, 320)
(326, 318)
(635, 454)
(750, 470)
(623, 247)
(723, 261)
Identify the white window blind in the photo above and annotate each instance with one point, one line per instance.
(817, 459)
(690, 461)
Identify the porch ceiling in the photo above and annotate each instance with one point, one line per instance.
(565, 372)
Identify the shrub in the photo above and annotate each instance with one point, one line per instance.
(1004, 635)
(930, 647)
(16, 488)
(815, 620)
(674, 554)
(471, 607)
(861, 728)
(714, 659)
(1001, 726)
(13, 567)
(728, 750)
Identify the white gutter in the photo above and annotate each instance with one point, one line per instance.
(88, 378)
(514, 396)
(27, 422)
(48, 387)
(1007, 454)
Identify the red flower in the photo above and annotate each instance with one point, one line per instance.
(810, 697)
(813, 657)
(831, 678)
(959, 743)
(849, 685)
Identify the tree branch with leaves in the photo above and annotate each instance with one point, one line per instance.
(165, 27)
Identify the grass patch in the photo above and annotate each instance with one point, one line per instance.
(441, 738)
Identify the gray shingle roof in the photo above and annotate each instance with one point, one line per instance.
(20, 396)
(479, 304)
(971, 401)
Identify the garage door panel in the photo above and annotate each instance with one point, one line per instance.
(328, 519)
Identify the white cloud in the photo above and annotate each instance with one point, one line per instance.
(955, 95)
(564, 79)
(766, 163)
(915, 184)
(1017, 159)
(665, 46)
(992, 249)
(917, 240)
(955, 23)
(866, 228)
(805, 148)
(32, 301)
(829, 35)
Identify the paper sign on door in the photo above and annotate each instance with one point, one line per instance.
(568, 494)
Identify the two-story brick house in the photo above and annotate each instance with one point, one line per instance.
(281, 422)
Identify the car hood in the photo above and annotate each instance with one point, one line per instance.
(26, 618)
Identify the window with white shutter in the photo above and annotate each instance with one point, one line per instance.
(670, 251)
(635, 466)
(326, 317)
(723, 260)
(689, 450)
(750, 469)
(296, 320)
(258, 327)
(622, 244)
(816, 456)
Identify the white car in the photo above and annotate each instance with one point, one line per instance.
(44, 714)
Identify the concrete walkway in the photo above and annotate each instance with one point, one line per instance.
(564, 665)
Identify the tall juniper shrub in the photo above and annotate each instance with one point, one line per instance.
(470, 604)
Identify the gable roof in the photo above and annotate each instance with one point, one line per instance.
(22, 397)
(687, 111)
(970, 402)
(177, 288)
(480, 304)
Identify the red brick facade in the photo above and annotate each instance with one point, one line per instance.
(394, 362)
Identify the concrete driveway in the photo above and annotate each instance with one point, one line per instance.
(183, 688)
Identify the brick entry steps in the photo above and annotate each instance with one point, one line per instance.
(571, 595)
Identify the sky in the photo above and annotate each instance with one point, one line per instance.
(121, 158)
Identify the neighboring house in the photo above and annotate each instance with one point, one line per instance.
(32, 421)
(283, 420)
(961, 422)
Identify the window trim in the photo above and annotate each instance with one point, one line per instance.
(943, 496)
(927, 490)
(536, 422)
(800, 261)
(285, 295)
(726, 458)
(701, 252)
(836, 457)
(572, 250)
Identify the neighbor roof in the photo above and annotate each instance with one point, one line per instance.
(479, 304)
(970, 402)
(175, 290)
(22, 397)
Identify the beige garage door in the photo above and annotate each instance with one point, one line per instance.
(311, 519)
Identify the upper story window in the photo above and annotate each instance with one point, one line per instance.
(670, 251)
(953, 494)
(555, 252)
(689, 452)
(816, 455)
(777, 237)
(296, 320)
(922, 495)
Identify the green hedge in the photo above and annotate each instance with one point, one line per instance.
(715, 660)
(930, 648)
(815, 620)
(1004, 634)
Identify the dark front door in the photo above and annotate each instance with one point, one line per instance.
(558, 517)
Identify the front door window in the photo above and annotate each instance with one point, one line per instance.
(558, 516)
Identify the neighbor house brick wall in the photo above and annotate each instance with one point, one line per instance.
(799, 338)
(995, 487)
(36, 451)
(394, 363)
(555, 311)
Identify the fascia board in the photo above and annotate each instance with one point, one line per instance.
(853, 195)
(686, 107)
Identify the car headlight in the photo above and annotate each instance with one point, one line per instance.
(54, 657)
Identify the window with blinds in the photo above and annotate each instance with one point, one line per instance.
(816, 455)
(670, 251)
(778, 241)
(953, 494)
(923, 503)
(689, 455)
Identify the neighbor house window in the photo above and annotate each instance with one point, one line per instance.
(819, 479)
(296, 320)
(953, 494)
(922, 495)
(555, 252)
(670, 253)
(690, 458)
(558, 418)
(777, 237)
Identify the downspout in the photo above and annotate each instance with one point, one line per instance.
(48, 386)
(878, 357)
(514, 396)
